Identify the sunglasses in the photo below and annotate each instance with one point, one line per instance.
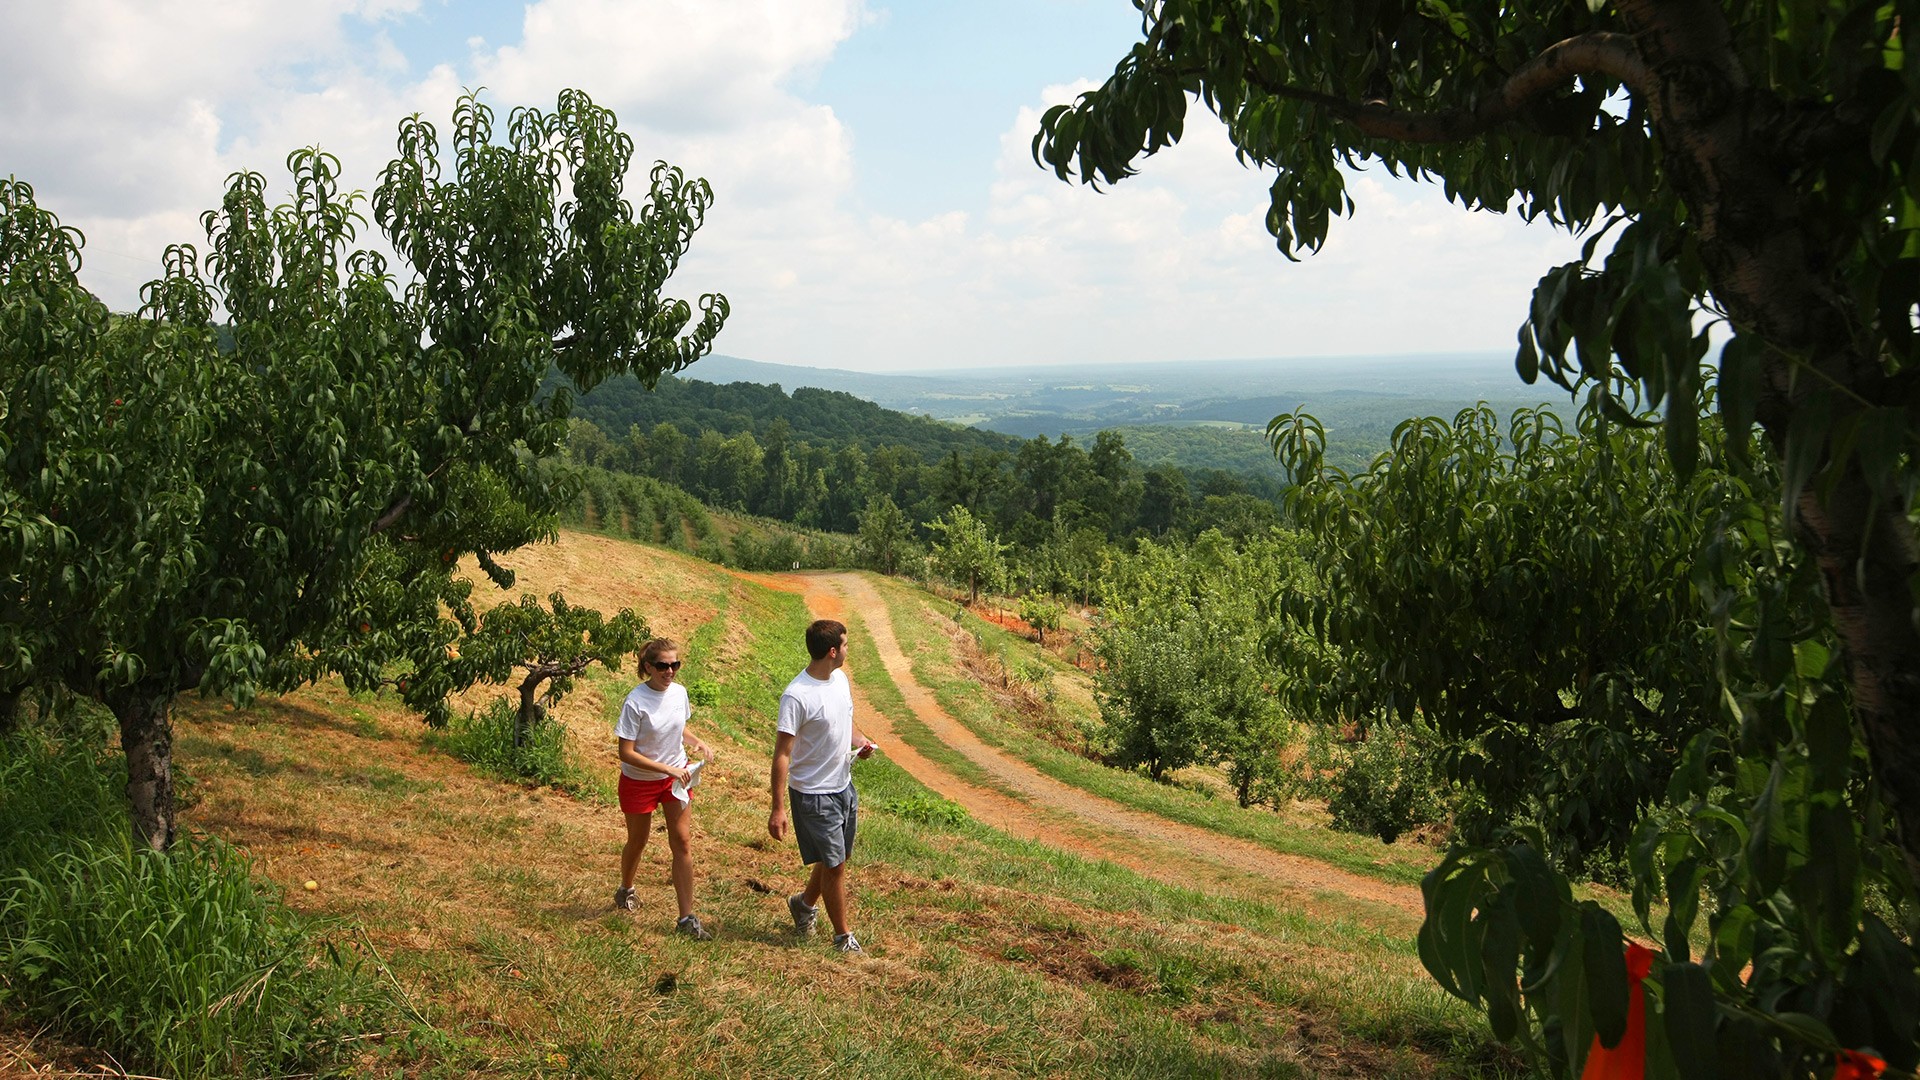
(658, 666)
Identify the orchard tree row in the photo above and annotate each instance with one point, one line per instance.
(653, 512)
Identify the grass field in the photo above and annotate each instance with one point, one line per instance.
(486, 904)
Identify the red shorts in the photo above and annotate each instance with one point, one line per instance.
(641, 796)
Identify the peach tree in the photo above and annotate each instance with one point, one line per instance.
(546, 647)
(271, 470)
(1746, 164)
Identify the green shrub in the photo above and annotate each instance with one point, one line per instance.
(1382, 785)
(703, 692)
(485, 740)
(926, 808)
(178, 964)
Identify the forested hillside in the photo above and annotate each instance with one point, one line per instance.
(818, 416)
(828, 460)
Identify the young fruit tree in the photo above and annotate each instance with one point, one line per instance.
(547, 646)
(967, 552)
(272, 469)
(1043, 613)
(886, 535)
(1754, 167)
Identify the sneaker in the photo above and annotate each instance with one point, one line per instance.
(623, 898)
(847, 942)
(803, 915)
(690, 926)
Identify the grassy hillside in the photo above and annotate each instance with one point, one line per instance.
(487, 904)
(645, 509)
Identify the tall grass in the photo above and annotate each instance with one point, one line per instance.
(178, 964)
(546, 758)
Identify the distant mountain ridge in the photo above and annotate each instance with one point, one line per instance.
(1189, 390)
(1207, 413)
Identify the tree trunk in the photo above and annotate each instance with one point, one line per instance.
(1770, 266)
(10, 710)
(1867, 561)
(529, 713)
(146, 736)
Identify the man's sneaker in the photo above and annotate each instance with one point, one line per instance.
(847, 942)
(803, 915)
(623, 898)
(690, 926)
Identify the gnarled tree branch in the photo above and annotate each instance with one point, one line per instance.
(1601, 53)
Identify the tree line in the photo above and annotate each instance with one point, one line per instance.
(1026, 490)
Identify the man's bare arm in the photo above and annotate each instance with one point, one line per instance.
(782, 761)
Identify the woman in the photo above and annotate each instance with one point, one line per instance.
(653, 745)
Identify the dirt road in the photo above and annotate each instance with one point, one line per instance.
(1061, 815)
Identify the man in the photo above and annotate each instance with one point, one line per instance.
(813, 756)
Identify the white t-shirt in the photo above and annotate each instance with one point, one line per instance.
(656, 721)
(818, 713)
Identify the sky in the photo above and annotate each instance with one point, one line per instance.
(876, 207)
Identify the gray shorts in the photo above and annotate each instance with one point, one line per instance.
(823, 824)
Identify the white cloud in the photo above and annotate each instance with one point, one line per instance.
(680, 65)
(128, 116)
(1173, 263)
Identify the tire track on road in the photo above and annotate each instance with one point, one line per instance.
(1061, 815)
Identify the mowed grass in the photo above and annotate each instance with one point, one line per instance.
(488, 905)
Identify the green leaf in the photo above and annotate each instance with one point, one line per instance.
(1683, 422)
(1618, 413)
(1881, 440)
(1766, 847)
(1499, 959)
(1738, 388)
(1571, 1001)
(1833, 897)
(1886, 127)
(1689, 1020)
(1733, 937)
(1538, 896)
(1884, 972)
(1683, 899)
(1807, 435)
(1829, 735)
(1605, 961)
(1810, 1032)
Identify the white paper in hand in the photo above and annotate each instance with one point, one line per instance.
(681, 787)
